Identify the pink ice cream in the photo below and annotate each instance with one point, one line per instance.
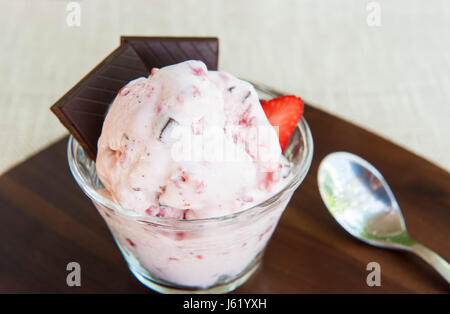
(188, 143)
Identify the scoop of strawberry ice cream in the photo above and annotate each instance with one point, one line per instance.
(188, 143)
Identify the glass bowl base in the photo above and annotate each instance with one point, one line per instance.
(221, 288)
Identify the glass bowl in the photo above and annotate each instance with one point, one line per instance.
(212, 255)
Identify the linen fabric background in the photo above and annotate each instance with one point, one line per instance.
(392, 79)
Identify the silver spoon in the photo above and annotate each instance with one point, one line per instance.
(361, 201)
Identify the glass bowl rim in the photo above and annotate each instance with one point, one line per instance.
(264, 205)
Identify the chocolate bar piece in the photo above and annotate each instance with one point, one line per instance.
(82, 110)
(161, 51)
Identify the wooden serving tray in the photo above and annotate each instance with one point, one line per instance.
(46, 222)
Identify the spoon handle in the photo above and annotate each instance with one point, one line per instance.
(437, 262)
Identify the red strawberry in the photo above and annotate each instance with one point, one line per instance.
(284, 112)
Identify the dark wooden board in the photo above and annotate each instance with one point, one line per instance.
(46, 222)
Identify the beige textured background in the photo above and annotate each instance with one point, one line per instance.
(393, 79)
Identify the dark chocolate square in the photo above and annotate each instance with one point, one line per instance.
(82, 109)
(161, 51)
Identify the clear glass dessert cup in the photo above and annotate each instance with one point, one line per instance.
(213, 255)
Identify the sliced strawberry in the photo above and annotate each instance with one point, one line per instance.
(284, 112)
